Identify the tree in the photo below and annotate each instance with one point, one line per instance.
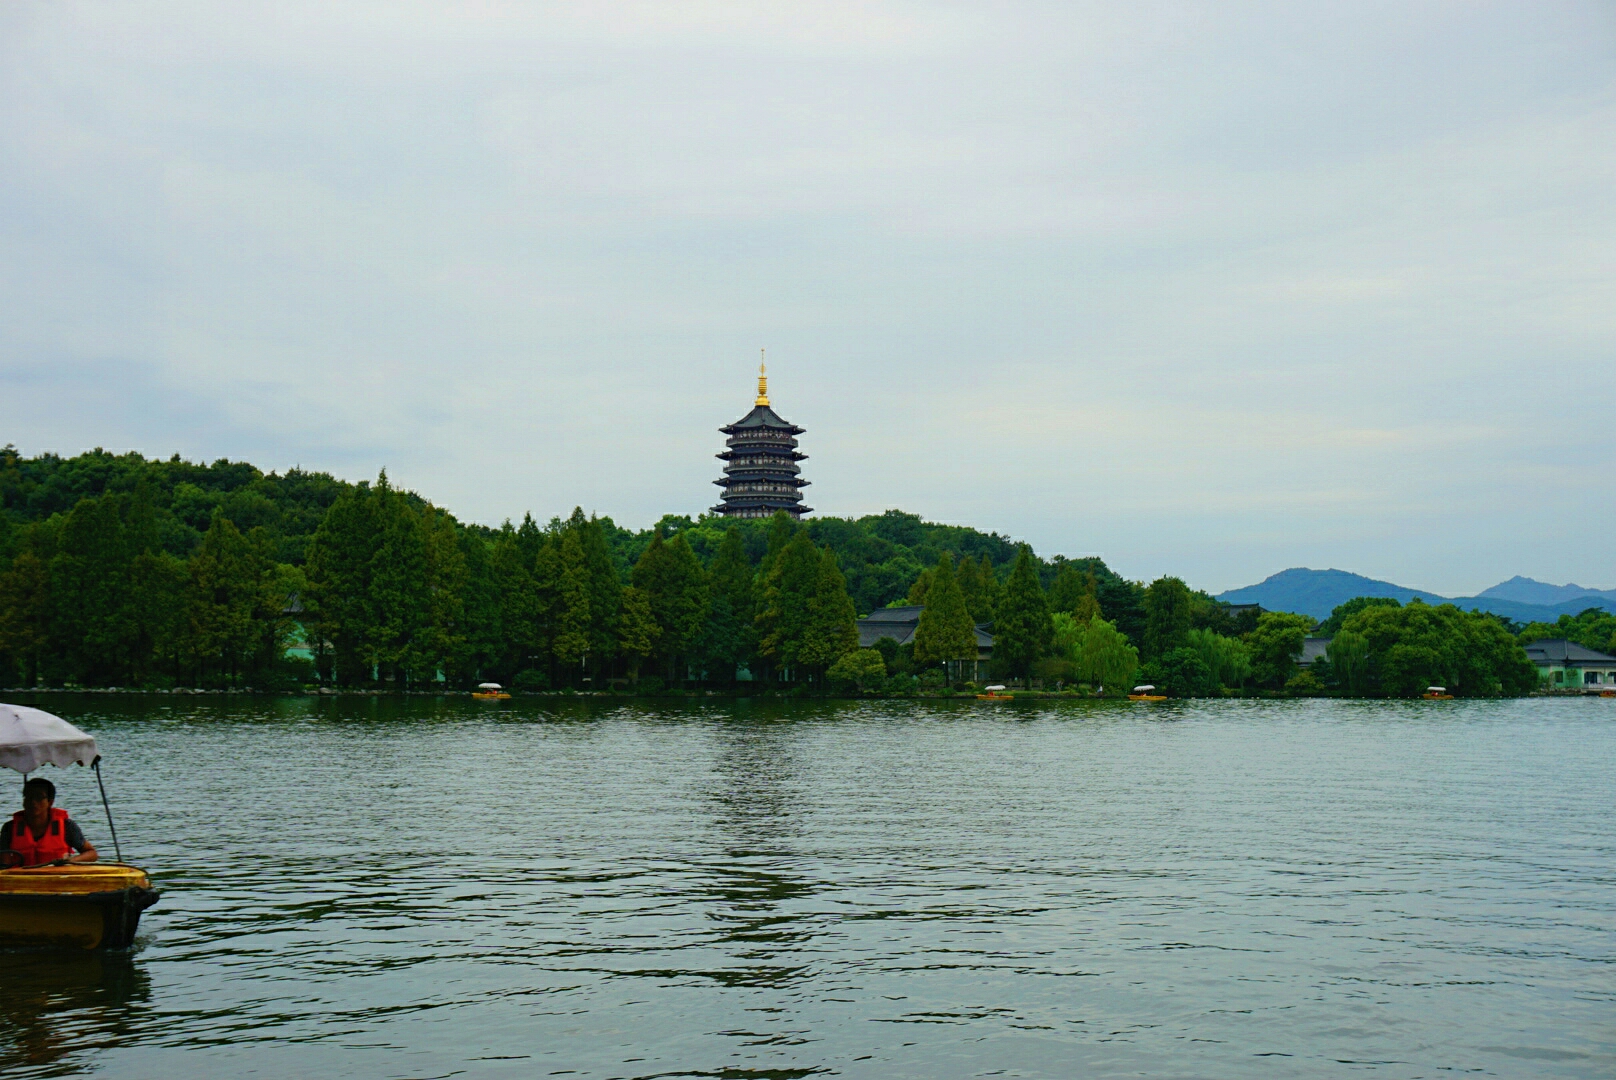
(338, 569)
(1227, 658)
(978, 585)
(945, 632)
(25, 607)
(833, 624)
(730, 636)
(1419, 645)
(1275, 645)
(1168, 610)
(1106, 657)
(1344, 611)
(789, 589)
(1022, 630)
(675, 586)
(863, 667)
(572, 617)
(1181, 672)
(225, 598)
(637, 628)
(1348, 653)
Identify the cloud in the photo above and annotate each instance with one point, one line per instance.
(1208, 288)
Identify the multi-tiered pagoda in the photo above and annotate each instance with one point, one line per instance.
(760, 471)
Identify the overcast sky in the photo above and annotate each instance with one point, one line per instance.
(1208, 289)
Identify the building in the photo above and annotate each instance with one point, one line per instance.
(1313, 648)
(1565, 665)
(900, 623)
(760, 471)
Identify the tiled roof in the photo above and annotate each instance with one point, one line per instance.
(1560, 651)
(763, 416)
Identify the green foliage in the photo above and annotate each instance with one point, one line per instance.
(1022, 630)
(1304, 684)
(676, 589)
(1348, 656)
(1593, 628)
(1344, 611)
(729, 639)
(1168, 615)
(1418, 645)
(1105, 658)
(1181, 672)
(862, 667)
(638, 628)
(945, 631)
(1228, 659)
(1275, 645)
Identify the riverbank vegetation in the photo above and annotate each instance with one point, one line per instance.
(120, 571)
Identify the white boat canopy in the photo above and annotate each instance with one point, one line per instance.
(1436, 689)
(994, 689)
(30, 738)
(1147, 688)
(489, 686)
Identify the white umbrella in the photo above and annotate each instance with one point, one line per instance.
(30, 738)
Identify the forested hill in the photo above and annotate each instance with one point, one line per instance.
(881, 555)
(115, 569)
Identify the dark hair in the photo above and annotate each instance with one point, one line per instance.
(42, 786)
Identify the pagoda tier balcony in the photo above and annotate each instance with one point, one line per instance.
(780, 468)
(761, 511)
(734, 488)
(770, 452)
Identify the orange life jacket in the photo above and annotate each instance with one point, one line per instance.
(47, 848)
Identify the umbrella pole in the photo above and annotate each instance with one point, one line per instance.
(96, 765)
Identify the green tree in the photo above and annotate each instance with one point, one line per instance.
(1022, 630)
(833, 624)
(1348, 653)
(945, 632)
(1181, 672)
(1227, 658)
(570, 642)
(339, 569)
(730, 637)
(676, 587)
(788, 591)
(1168, 609)
(637, 628)
(226, 599)
(863, 667)
(25, 607)
(1106, 658)
(1420, 645)
(1275, 645)
(1344, 611)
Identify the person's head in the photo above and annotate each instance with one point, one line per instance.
(38, 795)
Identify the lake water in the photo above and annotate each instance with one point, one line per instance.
(417, 888)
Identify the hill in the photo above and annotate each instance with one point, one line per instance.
(1317, 592)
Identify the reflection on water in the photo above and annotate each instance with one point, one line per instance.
(55, 1004)
(378, 887)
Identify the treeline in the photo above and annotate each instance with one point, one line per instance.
(119, 571)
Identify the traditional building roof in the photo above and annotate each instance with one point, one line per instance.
(1560, 651)
(900, 623)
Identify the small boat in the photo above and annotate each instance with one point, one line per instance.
(1437, 693)
(490, 691)
(995, 693)
(92, 905)
(1146, 693)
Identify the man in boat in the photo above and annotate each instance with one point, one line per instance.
(42, 834)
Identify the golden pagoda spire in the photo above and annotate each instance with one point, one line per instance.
(763, 381)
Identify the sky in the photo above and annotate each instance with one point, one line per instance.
(1207, 289)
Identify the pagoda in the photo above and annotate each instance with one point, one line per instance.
(760, 471)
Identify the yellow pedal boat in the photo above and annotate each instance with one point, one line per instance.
(490, 691)
(78, 906)
(1146, 693)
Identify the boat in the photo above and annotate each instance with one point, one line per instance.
(1437, 693)
(490, 691)
(94, 905)
(994, 693)
(1146, 693)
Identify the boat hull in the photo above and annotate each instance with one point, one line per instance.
(84, 906)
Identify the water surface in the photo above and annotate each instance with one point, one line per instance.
(419, 888)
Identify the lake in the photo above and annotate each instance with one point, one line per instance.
(431, 888)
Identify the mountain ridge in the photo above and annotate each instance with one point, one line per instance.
(1317, 592)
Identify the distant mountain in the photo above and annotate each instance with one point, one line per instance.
(1524, 590)
(1317, 592)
